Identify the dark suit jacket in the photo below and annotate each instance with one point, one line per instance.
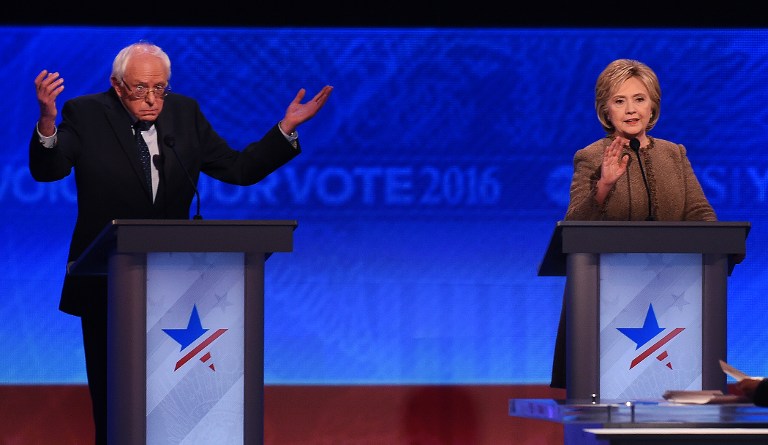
(760, 397)
(95, 140)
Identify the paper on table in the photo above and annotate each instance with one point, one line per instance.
(733, 372)
(709, 396)
(700, 397)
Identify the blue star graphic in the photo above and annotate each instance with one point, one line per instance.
(643, 335)
(193, 331)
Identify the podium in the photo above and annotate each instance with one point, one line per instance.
(645, 304)
(185, 327)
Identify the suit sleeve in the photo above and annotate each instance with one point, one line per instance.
(761, 393)
(47, 164)
(697, 207)
(582, 205)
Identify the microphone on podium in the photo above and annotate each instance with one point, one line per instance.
(170, 141)
(634, 144)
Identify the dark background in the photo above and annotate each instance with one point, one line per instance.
(399, 13)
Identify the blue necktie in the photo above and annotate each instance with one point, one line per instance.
(146, 160)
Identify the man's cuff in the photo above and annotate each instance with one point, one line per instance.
(47, 141)
(291, 137)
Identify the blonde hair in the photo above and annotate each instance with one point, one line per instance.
(613, 76)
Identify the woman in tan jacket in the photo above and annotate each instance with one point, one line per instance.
(614, 176)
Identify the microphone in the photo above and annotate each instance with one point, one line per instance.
(170, 141)
(157, 161)
(634, 144)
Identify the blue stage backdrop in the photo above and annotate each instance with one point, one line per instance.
(426, 194)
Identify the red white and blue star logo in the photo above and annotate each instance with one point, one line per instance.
(642, 336)
(194, 334)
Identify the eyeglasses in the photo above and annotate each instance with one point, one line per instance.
(141, 91)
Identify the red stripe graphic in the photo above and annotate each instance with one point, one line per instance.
(199, 348)
(655, 347)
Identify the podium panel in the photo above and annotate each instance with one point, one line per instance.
(650, 317)
(195, 347)
(645, 304)
(185, 333)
